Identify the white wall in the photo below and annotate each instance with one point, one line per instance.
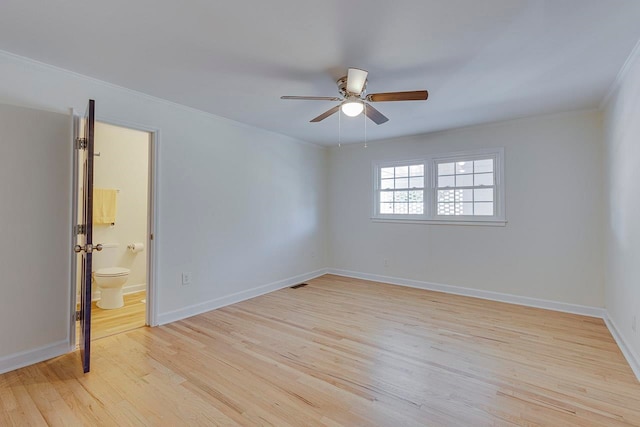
(123, 164)
(238, 207)
(552, 246)
(35, 237)
(622, 141)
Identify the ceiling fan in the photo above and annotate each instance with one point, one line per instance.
(352, 88)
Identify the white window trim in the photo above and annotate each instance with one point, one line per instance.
(429, 216)
(376, 190)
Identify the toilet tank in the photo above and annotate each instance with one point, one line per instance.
(107, 257)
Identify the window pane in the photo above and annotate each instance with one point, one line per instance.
(464, 186)
(464, 208)
(445, 169)
(464, 180)
(446, 181)
(416, 208)
(464, 195)
(416, 182)
(401, 196)
(445, 195)
(484, 208)
(416, 196)
(386, 173)
(483, 179)
(446, 209)
(416, 170)
(400, 208)
(402, 182)
(386, 208)
(483, 195)
(402, 171)
(464, 167)
(481, 166)
(386, 184)
(386, 196)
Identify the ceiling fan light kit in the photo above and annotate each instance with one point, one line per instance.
(352, 88)
(352, 108)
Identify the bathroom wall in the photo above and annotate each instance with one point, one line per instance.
(123, 164)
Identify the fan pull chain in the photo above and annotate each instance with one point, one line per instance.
(339, 128)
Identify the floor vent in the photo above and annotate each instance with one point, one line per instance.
(298, 286)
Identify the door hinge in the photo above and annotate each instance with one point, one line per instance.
(81, 229)
(81, 143)
(77, 314)
(151, 236)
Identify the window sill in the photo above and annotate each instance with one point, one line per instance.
(487, 222)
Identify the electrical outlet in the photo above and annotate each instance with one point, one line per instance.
(634, 324)
(186, 278)
(386, 263)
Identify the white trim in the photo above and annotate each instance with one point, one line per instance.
(223, 301)
(632, 358)
(73, 267)
(152, 213)
(36, 355)
(375, 206)
(151, 312)
(429, 215)
(620, 76)
(477, 293)
(490, 222)
(497, 154)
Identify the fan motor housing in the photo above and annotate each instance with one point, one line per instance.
(342, 88)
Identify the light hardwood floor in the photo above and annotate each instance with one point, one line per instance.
(105, 323)
(340, 352)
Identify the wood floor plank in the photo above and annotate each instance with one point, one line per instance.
(105, 323)
(341, 352)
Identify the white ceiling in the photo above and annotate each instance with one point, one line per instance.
(481, 61)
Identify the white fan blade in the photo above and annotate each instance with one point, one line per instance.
(356, 79)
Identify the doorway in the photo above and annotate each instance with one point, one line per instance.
(122, 224)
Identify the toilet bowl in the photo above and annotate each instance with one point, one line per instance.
(110, 281)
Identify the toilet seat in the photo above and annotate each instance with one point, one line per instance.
(112, 272)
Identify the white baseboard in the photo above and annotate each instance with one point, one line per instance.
(477, 293)
(25, 358)
(183, 313)
(627, 350)
(29, 357)
(632, 358)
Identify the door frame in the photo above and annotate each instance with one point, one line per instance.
(151, 317)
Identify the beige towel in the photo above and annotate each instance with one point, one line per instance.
(104, 206)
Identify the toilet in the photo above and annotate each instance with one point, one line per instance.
(109, 279)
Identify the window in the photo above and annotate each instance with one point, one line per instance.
(402, 189)
(465, 187)
(452, 188)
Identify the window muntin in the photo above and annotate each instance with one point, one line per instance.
(401, 189)
(465, 187)
(455, 188)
